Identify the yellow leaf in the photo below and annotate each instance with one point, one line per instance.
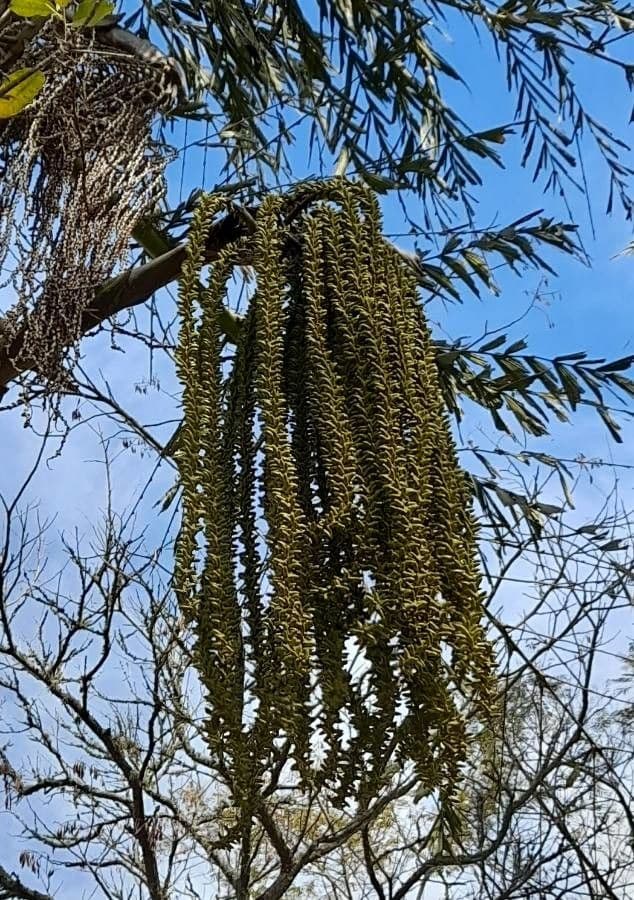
(30, 9)
(18, 90)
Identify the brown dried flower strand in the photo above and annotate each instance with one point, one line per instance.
(79, 168)
(328, 549)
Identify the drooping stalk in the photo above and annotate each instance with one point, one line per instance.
(327, 554)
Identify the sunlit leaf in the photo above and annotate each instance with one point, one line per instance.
(18, 90)
(31, 9)
(91, 12)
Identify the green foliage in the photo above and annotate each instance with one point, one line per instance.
(372, 81)
(469, 261)
(31, 9)
(88, 13)
(502, 379)
(91, 12)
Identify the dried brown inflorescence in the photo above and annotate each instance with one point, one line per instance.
(78, 169)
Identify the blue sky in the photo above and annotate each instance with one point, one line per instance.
(584, 308)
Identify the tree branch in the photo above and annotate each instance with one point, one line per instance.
(12, 887)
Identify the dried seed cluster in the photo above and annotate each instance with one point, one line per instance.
(327, 554)
(78, 168)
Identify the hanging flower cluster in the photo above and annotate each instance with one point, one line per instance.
(78, 169)
(327, 554)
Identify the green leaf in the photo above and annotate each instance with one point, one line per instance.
(420, 164)
(168, 497)
(91, 12)
(626, 384)
(446, 360)
(591, 528)
(616, 544)
(492, 345)
(494, 135)
(618, 365)
(31, 9)
(570, 385)
(18, 90)
(480, 268)
(549, 509)
(570, 357)
(459, 269)
(517, 346)
(379, 183)
(612, 426)
(566, 489)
